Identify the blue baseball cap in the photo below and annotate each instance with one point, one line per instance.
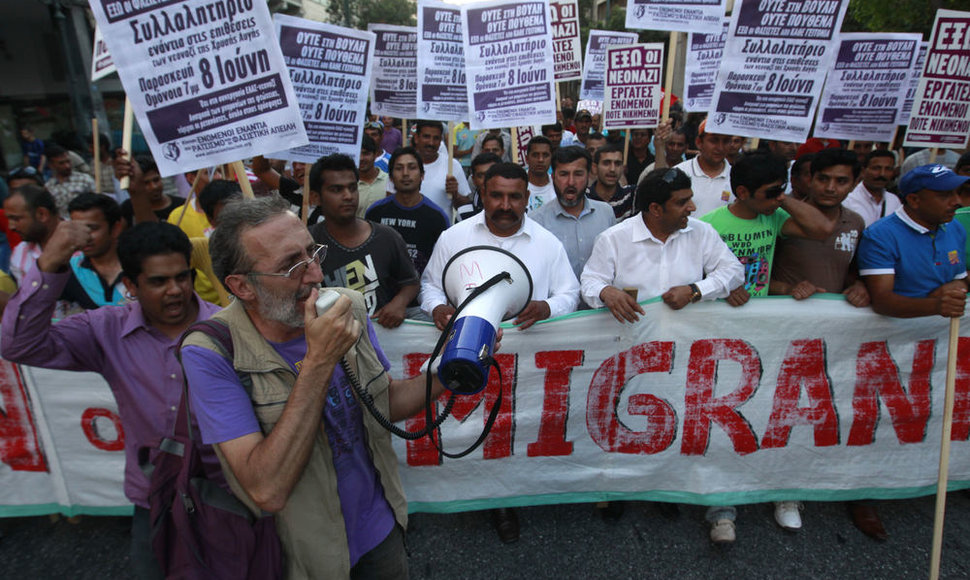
(934, 177)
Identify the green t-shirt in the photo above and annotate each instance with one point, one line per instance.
(752, 241)
(963, 218)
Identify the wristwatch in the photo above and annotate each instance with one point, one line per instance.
(695, 293)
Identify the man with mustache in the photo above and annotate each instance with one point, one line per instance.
(291, 434)
(572, 217)
(503, 224)
(364, 256)
(870, 198)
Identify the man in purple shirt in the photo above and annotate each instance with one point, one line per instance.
(294, 439)
(131, 346)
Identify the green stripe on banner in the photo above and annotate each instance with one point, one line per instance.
(731, 498)
(43, 509)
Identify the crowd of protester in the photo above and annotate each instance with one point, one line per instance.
(601, 219)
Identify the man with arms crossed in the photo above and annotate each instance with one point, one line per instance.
(296, 441)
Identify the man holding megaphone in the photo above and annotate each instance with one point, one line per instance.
(503, 225)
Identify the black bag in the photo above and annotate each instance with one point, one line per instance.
(198, 528)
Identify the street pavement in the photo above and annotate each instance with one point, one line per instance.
(572, 541)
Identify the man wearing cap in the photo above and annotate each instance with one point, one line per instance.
(584, 121)
(709, 172)
(913, 263)
(375, 130)
(870, 198)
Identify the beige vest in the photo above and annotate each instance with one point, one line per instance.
(311, 526)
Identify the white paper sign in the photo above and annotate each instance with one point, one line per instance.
(567, 47)
(594, 65)
(330, 67)
(508, 60)
(698, 16)
(206, 79)
(442, 88)
(101, 63)
(394, 88)
(704, 53)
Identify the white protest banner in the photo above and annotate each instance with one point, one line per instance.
(205, 78)
(594, 65)
(567, 48)
(442, 91)
(906, 108)
(508, 58)
(864, 89)
(699, 16)
(632, 94)
(775, 60)
(101, 63)
(330, 67)
(394, 89)
(704, 53)
(710, 404)
(941, 110)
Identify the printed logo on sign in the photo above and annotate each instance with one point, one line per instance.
(171, 151)
(640, 11)
(482, 115)
(720, 118)
(954, 257)
(825, 126)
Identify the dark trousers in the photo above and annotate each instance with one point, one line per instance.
(389, 560)
(143, 563)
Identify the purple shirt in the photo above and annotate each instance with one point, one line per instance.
(391, 139)
(137, 360)
(225, 412)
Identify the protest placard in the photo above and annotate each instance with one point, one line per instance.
(906, 109)
(700, 16)
(508, 58)
(703, 60)
(330, 67)
(101, 63)
(865, 88)
(394, 88)
(567, 48)
(521, 143)
(594, 65)
(442, 92)
(633, 86)
(941, 109)
(205, 78)
(774, 64)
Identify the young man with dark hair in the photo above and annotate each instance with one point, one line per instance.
(446, 191)
(98, 268)
(608, 161)
(215, 196)
(480, 166)
(639, 156)
(538, 158)
(709, 171)
(65, 184)
(146, 190)
(805, 266)
(372, 186)
(375, 130)
(661, 238)
(870, 199)
(750, 227)
(419, 221)
(364, 256)
(572, 217)
(504, 135)
(131, 346)
(800, 181)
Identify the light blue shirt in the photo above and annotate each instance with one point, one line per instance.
(577, 234)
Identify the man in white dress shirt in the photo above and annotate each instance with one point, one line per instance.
(660, 252)
(503, 224)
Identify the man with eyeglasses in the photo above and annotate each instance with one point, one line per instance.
(368, 257)
(750, 227)
(290, 431)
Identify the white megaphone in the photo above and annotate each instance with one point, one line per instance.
(466, 355)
